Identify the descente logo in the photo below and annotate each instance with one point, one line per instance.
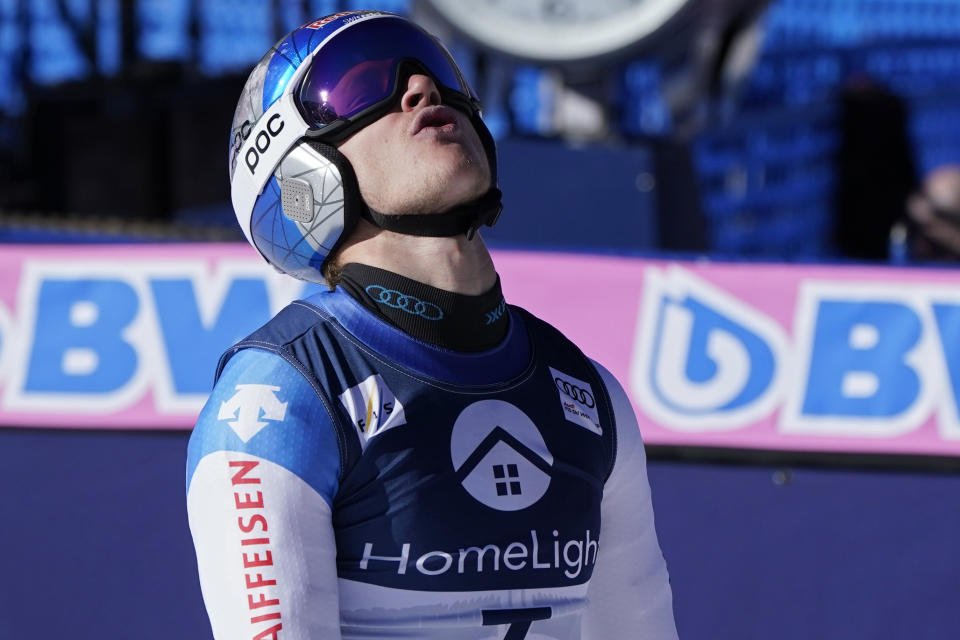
(571, 556)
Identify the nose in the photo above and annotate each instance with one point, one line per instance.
(421, 92)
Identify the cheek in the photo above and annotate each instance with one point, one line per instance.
(365, 161)
(365, 151)
(478, 154)
(386, 165)
(381, 174)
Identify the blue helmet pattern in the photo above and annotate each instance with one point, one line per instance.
(295, 247)
(271, 75)
(294, 194)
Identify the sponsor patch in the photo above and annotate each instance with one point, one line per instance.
(500, 456)
(250, 407)
(373, 408)
(577, 400)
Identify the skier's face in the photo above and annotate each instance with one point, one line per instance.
(421, 157)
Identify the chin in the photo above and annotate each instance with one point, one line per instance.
(444, 191)
(435, 183)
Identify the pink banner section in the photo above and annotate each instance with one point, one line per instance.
(744, 355)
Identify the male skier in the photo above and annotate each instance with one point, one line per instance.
(405, 455)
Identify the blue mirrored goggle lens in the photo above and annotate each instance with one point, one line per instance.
(357, 68)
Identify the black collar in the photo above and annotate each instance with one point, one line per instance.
(443, 318)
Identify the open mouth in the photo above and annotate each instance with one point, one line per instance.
(439, 117)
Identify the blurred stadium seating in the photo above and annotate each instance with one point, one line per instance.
(767, 174)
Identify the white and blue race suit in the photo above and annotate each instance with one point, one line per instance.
(345, 480)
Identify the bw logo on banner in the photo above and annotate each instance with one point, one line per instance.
(704, 359)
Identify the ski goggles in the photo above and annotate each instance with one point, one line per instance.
(359, 71)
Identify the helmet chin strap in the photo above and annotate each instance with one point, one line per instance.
(462, 219)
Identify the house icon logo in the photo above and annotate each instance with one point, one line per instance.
(500, 456)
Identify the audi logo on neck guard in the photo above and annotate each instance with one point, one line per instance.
(404, 302)
(576, 393)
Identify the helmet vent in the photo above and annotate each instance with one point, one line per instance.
(296, 199)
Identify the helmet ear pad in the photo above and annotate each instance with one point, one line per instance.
(320, 204)
(353, 206)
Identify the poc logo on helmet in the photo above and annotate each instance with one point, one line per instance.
(262, 140)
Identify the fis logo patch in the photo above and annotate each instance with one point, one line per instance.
(250, 407)
(373, 408)
(577, 400)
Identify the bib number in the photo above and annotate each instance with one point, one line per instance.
(518, 619)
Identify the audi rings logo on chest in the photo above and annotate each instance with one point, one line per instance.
(574, 392)
(404, 302)
(577, 401)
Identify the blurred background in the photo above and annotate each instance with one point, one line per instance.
(808, 132)
(782, 129)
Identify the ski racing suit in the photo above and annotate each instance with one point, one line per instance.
(346, 480)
